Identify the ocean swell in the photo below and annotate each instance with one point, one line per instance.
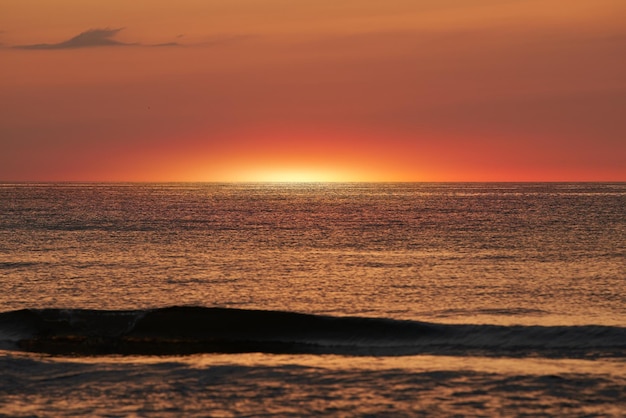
(188, 330)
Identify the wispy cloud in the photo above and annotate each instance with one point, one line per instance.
(88, 39)
(106, 37)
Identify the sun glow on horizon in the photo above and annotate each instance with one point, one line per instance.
(294, 175)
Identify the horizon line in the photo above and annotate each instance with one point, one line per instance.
(23, 182)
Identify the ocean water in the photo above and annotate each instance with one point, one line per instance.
(469, 299)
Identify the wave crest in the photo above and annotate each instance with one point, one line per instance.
(187, 330)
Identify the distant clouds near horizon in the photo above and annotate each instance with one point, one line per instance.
(401, 90)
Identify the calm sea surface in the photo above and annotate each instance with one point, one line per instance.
(495, 299)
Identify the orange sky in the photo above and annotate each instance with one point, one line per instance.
(326, 90)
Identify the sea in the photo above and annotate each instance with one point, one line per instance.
(313, 299)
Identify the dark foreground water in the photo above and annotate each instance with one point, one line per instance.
(308, 299)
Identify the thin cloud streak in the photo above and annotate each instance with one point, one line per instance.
(102, 37)
(88, 39)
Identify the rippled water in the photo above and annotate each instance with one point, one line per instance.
(506, 254)
(262, 385)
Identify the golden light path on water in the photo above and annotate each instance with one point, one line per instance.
(521, 282)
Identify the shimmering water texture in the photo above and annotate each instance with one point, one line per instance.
(309, 299)
(279, 385)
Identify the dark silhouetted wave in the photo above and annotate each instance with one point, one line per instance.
(187, 330)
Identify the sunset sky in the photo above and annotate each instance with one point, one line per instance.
(313, 90)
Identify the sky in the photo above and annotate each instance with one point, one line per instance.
(313, 90)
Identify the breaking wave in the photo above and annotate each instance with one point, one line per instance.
(188, 330)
